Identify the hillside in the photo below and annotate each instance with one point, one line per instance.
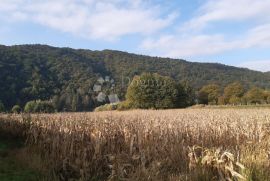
(67, 76)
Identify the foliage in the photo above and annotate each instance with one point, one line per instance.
(16, 109)
(255, 96)
(106, 107)
(124, 105)
(153, 91)
(30, 107)
(209, 94)
(233, 93)
(221, 100)
(67, 76)
(2, 107)
(186, 95)
(234, 100)
(39, 107)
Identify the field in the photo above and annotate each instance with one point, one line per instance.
(187, 144)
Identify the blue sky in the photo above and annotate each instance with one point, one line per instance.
(232, 32)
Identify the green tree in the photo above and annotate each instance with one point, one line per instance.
(187, 95)
(255, 96)
(234, 92)
(16, 109)
(209, 94)
(2, 107)
(153, 91)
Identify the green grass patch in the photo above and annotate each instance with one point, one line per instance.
(10, 168)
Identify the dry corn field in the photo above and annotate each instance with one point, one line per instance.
(188, 144)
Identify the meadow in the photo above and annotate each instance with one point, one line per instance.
(184, 144)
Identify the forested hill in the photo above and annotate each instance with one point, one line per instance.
(67, 76)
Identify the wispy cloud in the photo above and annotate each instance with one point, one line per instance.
(192, 40)
(207, 44)
(228, 10)
(95, 19)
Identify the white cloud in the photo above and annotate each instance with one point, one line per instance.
(196, 45)
(232, 10)
(188, 43)
(96, 19)
(178, 46)
(258, 36)
(262, 65)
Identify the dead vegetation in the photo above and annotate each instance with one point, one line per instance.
(189, 144)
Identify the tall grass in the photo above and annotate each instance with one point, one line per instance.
(189, 144)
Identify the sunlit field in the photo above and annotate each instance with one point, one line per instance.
(188, 144)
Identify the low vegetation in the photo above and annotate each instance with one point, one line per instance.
(188, 144)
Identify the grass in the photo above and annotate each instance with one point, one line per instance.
(12, 169)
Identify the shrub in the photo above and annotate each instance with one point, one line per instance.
(16, 109)
(38, 107)
(30, 107)
(106, 107)
(44, 106)
(125, 105)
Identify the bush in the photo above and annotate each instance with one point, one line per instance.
(16, 109)
(39, 107)
(125, 105)
(106, 107)
(30, 107)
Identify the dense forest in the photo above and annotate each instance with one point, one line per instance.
(66, 77)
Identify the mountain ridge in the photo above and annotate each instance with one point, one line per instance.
(29, 72)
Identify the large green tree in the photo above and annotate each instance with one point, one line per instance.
(154, 91)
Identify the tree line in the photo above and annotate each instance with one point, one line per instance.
(154, 91)
(233, 94)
